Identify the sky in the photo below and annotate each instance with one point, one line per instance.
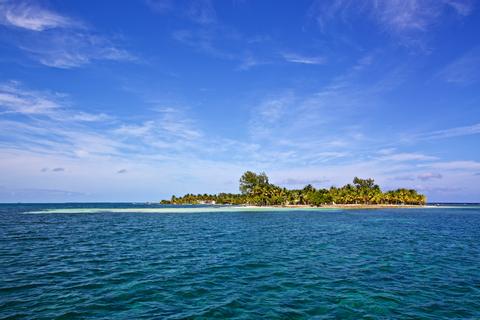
(138, 100)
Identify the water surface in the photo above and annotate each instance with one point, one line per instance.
(131, 263)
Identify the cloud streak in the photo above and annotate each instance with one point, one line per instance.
(302, 182)
(16, 99)
(29, 16)
(400, 18)
(429, 176)
(55, 40)
(309, 60)
(449, 133)
(464, 70)
(405, 156)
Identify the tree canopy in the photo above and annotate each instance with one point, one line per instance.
(255, 189)
(249, 180)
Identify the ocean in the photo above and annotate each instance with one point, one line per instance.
(140, 261)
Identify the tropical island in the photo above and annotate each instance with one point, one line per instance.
(256, 190)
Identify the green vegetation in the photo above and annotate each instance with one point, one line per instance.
(256, 190)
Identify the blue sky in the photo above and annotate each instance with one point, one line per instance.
(138, 100)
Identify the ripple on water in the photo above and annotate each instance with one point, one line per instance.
(288, 264)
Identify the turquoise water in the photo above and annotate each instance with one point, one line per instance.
(68, 263)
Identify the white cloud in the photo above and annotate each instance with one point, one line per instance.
(406, 15)
(397, 17)
(296, 58)
(429, 176)
(249, 62)
(270, 114)
(202, 11)
(406, 156)
(16, 99)
(90, 117)
(50, 126)
(464, 70)
(68, 50)
(27, 15)
(403, 178)
(302, 182)
(211, 37)
(462, 7)
(456, 165)
(449, 133)
(167, 124)
(13, 99)
(135, 130)
(177, 124)
(170, 146)
(160, 6)
(55, 40)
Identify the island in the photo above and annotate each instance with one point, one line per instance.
(256, 190)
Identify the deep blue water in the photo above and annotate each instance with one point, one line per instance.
(373, 264)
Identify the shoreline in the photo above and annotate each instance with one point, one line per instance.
(361, 206)
(329, 206)
(222, 208)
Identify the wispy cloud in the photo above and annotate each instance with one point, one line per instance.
(296, 113)
(177, 124)
(51, 125)
(297, 58)
(403, 178)
(57, 169)
(206, 41)
(136, 130)
(302, 182)
(429, 176)
(408, 15)
(441, 190)
(448, 133)
(16, 99)
(456, 165)
(170, 135)
(249, 62)
(405, 156)
(270, 114)
(169, 123)
(391, 154)
(29, 16)
(315, 126)
(462, 7)
(207, 34)
(160, 6)
(202, 11)
(464, 70)
(90, 117)
(55, 40)
(72, 49)
(225, 43)
(397, 17)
